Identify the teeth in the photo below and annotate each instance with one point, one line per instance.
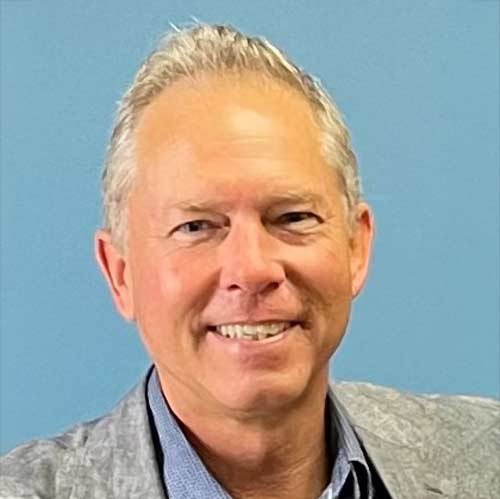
(252, 332)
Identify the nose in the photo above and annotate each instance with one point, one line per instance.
(249, 261)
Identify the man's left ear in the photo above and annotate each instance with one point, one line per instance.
(361, 246)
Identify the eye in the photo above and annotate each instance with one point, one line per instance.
(303, 219)
(194, 229)
(194, 226)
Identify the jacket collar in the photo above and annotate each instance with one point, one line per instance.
(118, 459)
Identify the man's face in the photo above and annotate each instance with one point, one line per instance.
(236, 220)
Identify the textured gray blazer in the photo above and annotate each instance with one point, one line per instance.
(422, 446)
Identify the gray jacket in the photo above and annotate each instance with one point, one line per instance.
(422, 446)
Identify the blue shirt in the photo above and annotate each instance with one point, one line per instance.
(186, 477)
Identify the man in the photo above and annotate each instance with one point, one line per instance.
(236, 238)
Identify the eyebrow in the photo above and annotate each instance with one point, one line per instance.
(298, 197)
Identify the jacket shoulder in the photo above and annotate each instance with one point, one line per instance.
(450, 441)
(369, 403)
(35, 469)
(82, 457)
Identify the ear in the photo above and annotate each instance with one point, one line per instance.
(116, 271)
(361, 246)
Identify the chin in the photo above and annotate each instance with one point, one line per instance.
(261, 394)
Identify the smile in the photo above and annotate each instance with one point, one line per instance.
(253, 332)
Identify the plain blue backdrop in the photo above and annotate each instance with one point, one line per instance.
(418, 82)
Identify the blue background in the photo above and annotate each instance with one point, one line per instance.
(418, 82)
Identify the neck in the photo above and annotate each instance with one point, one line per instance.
(280, 455)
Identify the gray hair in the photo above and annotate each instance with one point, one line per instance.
(213, 49)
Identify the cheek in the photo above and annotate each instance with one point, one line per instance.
(332, 284)
(328, 271)
(165, 303)
(169, 287)
(172, 285)
(161, 289)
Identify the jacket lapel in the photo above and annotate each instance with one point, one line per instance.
(397, 454)
(402, 470)
(118, 460)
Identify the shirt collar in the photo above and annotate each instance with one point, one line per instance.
(185, 475)
(350, 458)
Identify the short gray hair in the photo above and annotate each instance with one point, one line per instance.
(215, 49)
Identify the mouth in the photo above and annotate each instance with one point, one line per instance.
(252, 332)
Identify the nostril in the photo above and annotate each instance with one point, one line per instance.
(272, 286)
(254, 288)
(266, 288)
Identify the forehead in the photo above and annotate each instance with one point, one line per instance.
(231, 131)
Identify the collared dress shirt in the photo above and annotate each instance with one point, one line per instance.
(186, 477)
